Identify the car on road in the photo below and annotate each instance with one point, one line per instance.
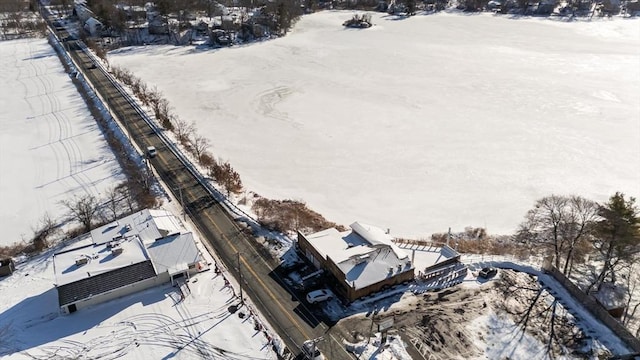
(151, 151)
(311, 351)
(319, 296)
(487, 272)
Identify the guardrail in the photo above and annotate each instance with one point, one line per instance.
(186, 162)
(597, 310)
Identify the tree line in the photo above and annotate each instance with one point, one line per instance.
(571, 228)
(276, 16)
(19, 19)
(185, 132)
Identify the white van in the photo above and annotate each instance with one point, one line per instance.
(151, 151)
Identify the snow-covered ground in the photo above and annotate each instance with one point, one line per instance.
(417, 125)
(153, 324)
(51, 149)
(50, 146)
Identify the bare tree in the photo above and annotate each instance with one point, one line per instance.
(124, 192)
(82, 209)
(184, 130)
(113, 202)
(560, 224)
(46, 227)
(226, 176)
(154, 97)
(543, 225)
(581, 218)
(200, 145)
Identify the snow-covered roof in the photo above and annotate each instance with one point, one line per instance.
(132, 233)
(173, 253)
(365, 254)
(93, 21)
(375, 266)
(148, 225)
(99, 259)
(125, 7)
(611, 296)
(165, 222)
(376, 236)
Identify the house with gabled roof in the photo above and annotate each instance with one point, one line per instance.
(362, 260)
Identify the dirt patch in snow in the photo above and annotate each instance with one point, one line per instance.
(512, 310)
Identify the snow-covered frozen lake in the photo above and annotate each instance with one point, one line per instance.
(50, 146)
(422, 124)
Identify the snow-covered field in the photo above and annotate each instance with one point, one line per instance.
(50, 146)
(422, 124)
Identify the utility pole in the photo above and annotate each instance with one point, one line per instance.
(315, 346)
(240, 279)
(184, 209)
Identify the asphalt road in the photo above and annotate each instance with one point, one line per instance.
(289, 317)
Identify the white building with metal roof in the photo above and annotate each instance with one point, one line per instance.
(136, 252)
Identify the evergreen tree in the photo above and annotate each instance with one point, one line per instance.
(617, 235)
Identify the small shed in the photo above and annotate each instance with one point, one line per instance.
(94, 27)
(7, 266)
(613, 298)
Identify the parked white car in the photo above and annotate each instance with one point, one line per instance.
(319, 296)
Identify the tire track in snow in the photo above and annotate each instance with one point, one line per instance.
(268, 101)
(151, 329)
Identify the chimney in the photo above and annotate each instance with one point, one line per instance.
(116, 250)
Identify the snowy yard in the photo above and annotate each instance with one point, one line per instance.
(50, 146)
(153, 324)
(511, 316)
(421, 124)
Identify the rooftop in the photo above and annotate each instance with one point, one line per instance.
(173, 253)
(375, 266)
(366, 254)
(360, 240)
(77, 263)
(132, 233)
(148, 225)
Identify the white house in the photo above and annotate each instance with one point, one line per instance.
(136, 252)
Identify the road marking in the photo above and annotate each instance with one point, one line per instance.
(295, 323)
(118, 107)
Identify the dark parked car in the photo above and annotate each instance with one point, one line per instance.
(487, 272)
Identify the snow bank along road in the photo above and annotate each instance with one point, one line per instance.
(288, 316)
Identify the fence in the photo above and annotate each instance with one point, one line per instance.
(590, 303)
